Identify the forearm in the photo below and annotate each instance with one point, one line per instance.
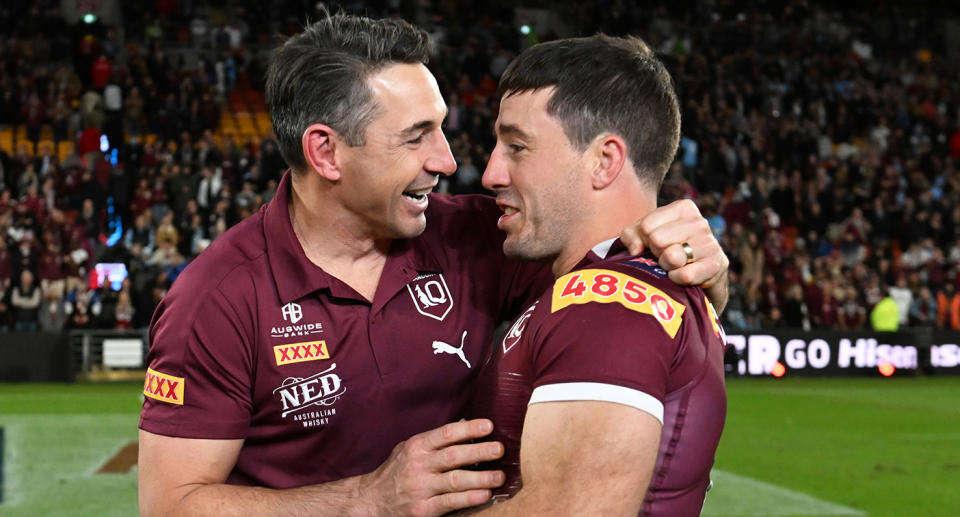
(336, 498)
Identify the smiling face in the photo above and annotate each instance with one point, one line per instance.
(537, 175)
(385, 181)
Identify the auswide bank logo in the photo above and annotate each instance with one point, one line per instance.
(293, 313)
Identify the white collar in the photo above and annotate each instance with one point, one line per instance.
(603, 248)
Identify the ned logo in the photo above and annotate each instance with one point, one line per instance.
(431, 296)
(291, 312)
(323, 389)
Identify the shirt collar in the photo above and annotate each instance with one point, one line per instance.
(295, 276)
(602, 251)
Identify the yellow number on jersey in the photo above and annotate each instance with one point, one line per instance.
(605, 286)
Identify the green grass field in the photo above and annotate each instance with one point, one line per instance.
(792, 447)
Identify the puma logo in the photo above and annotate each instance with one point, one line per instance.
(444, 348)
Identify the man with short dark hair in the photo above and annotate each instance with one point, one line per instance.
(612, 381)
(311, 361)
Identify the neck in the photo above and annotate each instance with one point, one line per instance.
(608, 213)
(327, 233)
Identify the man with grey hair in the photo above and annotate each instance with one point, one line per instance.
(317, 357)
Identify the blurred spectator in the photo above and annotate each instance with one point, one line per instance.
(167, 234)
(852, 315)
(25, 300)
(948, 308)
(794, 309)
(903, 297)
(124, 311)
(815, 166)
(52, 316)
(4, 307)
(82, 299)
(923, 311)
(885, 316)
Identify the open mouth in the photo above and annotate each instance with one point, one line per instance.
(418, 195)
(508, 212)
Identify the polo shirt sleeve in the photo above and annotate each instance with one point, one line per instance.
(199, 380)
(602, 351)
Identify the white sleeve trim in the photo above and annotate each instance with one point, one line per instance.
(598, 391)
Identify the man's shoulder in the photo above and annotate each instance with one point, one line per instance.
(236, 251)
(635, 288)
(467, 223)
(462, 205)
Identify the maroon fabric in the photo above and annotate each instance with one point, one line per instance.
(100, 72)
(608, 343)
(231, 324)
(89, 141)
(50, 266)
(6, 263)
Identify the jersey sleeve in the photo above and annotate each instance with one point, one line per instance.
(198, 383)
(605, 336)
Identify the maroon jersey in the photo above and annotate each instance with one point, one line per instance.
(618, 331)
(50, 266)
(255, 342)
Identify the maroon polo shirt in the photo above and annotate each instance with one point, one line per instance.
(255, 342)
(50, 266)
(617, 330)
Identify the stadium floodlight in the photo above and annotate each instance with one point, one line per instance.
(89, 18)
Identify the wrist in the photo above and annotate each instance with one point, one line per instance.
(362, 491)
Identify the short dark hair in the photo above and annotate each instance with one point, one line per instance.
(319, 76)
(605, 85)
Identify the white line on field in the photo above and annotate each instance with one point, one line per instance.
(11, 485)
(740, 496)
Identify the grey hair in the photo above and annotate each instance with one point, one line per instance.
(319, 76)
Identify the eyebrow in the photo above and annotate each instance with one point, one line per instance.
(419, 126)
(511, 130)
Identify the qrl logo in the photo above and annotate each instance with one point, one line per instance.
(431, 296)
(322, 389)
(291, 312)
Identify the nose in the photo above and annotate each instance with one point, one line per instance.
(441, 160)
(496, 176)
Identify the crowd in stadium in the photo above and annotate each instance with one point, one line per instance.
(823, 147)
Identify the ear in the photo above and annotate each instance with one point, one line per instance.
(611, 153)
(320, 143)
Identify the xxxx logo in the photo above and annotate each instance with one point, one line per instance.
(300, 352)
(163, 387)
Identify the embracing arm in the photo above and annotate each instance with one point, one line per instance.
(664, 231)
(583, 458)
(180, 476)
